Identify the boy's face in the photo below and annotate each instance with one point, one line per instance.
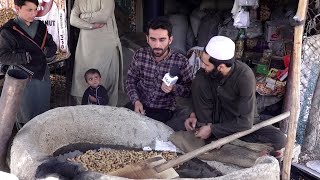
(93, 80)
(27, 12)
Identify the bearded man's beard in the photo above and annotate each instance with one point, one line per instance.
(160, 51)
(216, 74)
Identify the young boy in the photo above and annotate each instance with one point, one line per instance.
(25, 44)
(95, 93)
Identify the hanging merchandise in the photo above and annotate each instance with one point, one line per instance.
(179, 31)
(194, 55)
(240, 44)
(53, 14)
(6, 15)
(208, 28)
(257, 45)
(254, 30)
(253, 3)
(241, 19)
(227, 29)
(243, 3)
(279, 30)
(195, 20)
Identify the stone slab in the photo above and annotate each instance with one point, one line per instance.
(43, 135)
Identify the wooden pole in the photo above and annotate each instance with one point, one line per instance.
(11, 98)
(295, 89)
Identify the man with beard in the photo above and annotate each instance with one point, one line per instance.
(148, 94)
(224, 101)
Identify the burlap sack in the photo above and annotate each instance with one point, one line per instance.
(228, 153)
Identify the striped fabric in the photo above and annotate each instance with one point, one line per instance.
(145, 78)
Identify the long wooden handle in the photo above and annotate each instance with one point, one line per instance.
(217, 143)
(293, 90)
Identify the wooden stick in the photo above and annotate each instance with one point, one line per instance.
(218, 143)
(295, 90)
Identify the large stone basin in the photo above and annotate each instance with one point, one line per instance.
(48, 132)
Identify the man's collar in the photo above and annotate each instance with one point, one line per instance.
(20, 21)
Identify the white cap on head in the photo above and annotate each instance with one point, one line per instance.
(221, 48)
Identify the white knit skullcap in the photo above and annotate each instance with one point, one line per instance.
(221, 48)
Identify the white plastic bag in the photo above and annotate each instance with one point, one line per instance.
(195, 59)
(253, 3)
(241, 19)
(238, 3)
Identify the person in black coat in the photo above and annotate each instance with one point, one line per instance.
(224, 98)
(95, 93)
(25, 44)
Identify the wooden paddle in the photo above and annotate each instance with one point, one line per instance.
(157, 167)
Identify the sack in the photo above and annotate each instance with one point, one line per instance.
(195, 20)
(186, 141)
(208, 28)
(216, 5)
(227, 29)
(179, 32)
(253, 3)
(195, 59)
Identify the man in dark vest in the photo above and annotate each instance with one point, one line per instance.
(224, 99)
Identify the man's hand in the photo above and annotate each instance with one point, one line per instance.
(190, 123)
(167, 89)
(97, 25)
(204, 132)
(138, 107)
(92, 98)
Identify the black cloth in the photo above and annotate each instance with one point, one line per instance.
(268, 134)
(100, 93)
(230, 103)
(16, 46)
(174, 119)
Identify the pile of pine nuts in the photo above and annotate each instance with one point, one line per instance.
(105, 161)
(6, 15)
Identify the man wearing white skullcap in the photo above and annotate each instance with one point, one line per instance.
(224, 101)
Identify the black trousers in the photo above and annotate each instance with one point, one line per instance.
(174, 119)
(268, 134)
